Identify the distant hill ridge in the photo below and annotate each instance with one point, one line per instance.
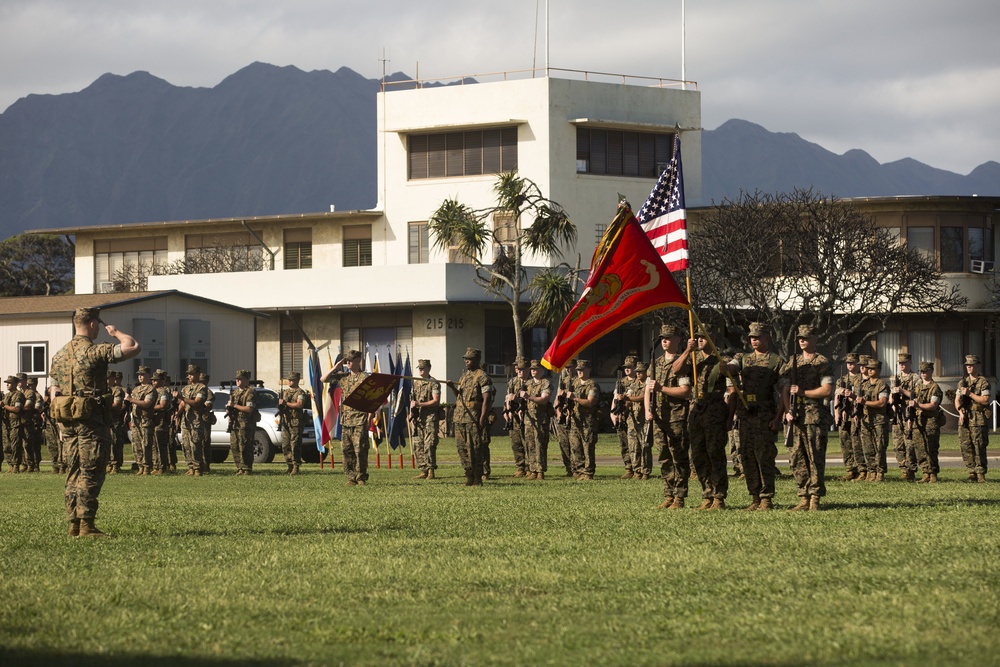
(269, 140)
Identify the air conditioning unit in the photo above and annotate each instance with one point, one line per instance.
(980, 266)
(496, 369)
(107, 286)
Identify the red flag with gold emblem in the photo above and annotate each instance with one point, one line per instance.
(627, 279)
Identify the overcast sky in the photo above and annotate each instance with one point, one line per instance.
(896, 78)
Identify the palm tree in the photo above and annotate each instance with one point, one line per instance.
(474, 232)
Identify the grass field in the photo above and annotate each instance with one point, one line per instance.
(276, 570)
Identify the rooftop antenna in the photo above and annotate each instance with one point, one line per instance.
(683, 51)
(534, 44)
(546, 38)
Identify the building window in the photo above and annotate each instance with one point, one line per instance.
(471, 153)
(951, 242)
(231, 252)
(920, 345)
(951, 354)
(124, 265)
(291, 346)
(32, 358)
(298, 249)
(952, 255)
(599, 231)
(418, 243)
(622, 153)
(358, 245)
(981, 251)
(921, 240)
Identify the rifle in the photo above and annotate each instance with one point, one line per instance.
(964, 403)
(896, 403)
(911, 416)
(793, 408)
(282, 408)
(618, 406)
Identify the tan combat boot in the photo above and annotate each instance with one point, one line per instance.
(540, 476)
(295, 469)
(678, 503)
(628, 474)
(718, 504)
(981, 477)
(430, 473)
(814, 504)
(88, 529)
(705, 504)
(766, 505)
(933, 479)
(667, 502)
(530, 477)
(74, 528)
(754, 503)
(519, 473)
(850, 476)
(925, 479)
(862, 476)
(422, 475)
(803, 505)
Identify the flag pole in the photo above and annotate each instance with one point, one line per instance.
(694, 364)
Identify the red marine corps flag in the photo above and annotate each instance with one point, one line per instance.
(627, 279)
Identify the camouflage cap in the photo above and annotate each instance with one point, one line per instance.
(668, 331)
(115, 374)
(757, 329)
(22, 377)
(193, 369)
(472, 353)
(521, 364)
(805, 331)
(641, 366)
(293, 375)
(86, 314)
(160, 375)
(582, 364)
(972, 359)
(572, 362)
(705, 330)
(242, 374)
(423, 363)
(926, 366)
(903, 357)
(203, 378)
(143, 370)
(11, 379)
(629, 362)
(874, 364)
(33, 381)
(851, 358)
(536, 365)
(353, 355)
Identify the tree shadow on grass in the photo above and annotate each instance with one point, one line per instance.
(912, 504)
(50, 657)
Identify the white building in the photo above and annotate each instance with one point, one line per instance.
(358, 278)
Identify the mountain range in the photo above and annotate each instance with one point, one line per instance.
(270, 140)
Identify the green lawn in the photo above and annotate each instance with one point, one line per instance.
(304, 570)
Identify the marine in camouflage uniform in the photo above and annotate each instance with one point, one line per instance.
(242, 407)
(191, 403)
(425, 411)
(635, 419)
(927, 397)
(584, 420)
(808, 417)
(873, 394)
(537, 421)
(666, 405)
(143, 399)
(31, 422)
(707, 421)
(119, 429)
(513, 406)
(206, 426)
(162, 414)
(354, 443)
(474, 391)
(760, 418)
(620, 421)
(79, 374)
(846, 426)
(561, 424)
(905, 456)
(293, 422)
(972, 400)
(50, 432)
(13, 429)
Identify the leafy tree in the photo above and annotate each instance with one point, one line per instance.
(474, 233)
(36, 264)
(800, 258)
(219, 258)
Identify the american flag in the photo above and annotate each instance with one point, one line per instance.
(663, 216)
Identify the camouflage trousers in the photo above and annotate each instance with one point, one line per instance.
(162, 448)
(469, 442)
(13, 445)
(88, 447)
(562, 436)
(354, 447)
(808, 458)
(425, 441)
(291, 441)
(623, 445)
(973, 441)
(927, 444)
(639, 448)
(51, 434)
(142, 445)
(119, 435)
(758, 454)
(734, 450)
(848, 448)
(583, 445)
(874, 442)
(517, 447)
(32, 443)
(670, 440)
(241, 443)
(536, 444)
(192, 442)
(707, 431)
(906, 457)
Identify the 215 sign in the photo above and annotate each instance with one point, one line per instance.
(438, 323)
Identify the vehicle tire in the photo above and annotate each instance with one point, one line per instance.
(263, 452)
(219, 455)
